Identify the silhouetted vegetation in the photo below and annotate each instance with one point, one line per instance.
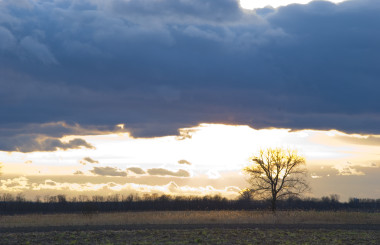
(277, 174)
(88, 206)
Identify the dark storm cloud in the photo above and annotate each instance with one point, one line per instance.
(162, 65)
(108, 171)
(30, 143)
(189, 10)
(165, 172)
(46, 136)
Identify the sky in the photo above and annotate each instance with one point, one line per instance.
(169, 96)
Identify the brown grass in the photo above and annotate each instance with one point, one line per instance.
(192, 217)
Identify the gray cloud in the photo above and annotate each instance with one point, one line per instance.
(46, 136)
(324, 171)
(185, 133)
(7, 39)
(38, 50)
(165, 172)
(108, 171)
(78, 173)
(55, 129)
(50, 182)
(30, 143)
(162, 65)
(136, 170)
(184, 162)
(208, 10)
(346, 184)
(86, 160)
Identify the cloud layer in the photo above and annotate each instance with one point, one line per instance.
(108, 171)
(162, 65)
(165, 172)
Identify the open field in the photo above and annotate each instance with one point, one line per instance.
(196, 236)
(191, 217)
(193, 227)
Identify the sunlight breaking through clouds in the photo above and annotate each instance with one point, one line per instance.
(164, 95)
(214, 153)
(211, 147)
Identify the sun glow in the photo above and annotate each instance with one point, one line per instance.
(190, 161)
(255, 4)
(204, 150)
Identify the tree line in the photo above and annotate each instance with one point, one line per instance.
(10, 204)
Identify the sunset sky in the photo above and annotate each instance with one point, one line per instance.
(175, 96)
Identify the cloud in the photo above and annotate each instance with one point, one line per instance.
(38, 50)
(32, 143)
(33, 187)
(348, 169)
(185, 133)
(15, 184)
(7, 39)
(50, 182)
(184, 162)
(136, 170)
(315, 176)
(346, 182)
(207, 10)
(86, 160)
(47, 136)
(360, 140)
(78, 172)
(162, 65)
(212, 174)
(341, 169)
(108, 171)
(165, 172)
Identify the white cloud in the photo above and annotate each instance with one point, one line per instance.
(212, 174)
(255, 4)
(52, 187)
(15, 184)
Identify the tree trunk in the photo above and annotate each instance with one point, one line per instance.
(274, 203)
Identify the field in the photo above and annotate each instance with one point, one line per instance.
(193, 227)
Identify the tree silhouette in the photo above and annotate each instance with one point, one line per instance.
(277, 173)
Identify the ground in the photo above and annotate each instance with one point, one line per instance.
(220, 227)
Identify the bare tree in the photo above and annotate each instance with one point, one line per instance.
(245, 195)
(277, 173)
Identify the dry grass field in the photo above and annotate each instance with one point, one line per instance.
(191, 217)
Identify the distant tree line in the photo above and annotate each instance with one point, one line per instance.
(86, 205)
